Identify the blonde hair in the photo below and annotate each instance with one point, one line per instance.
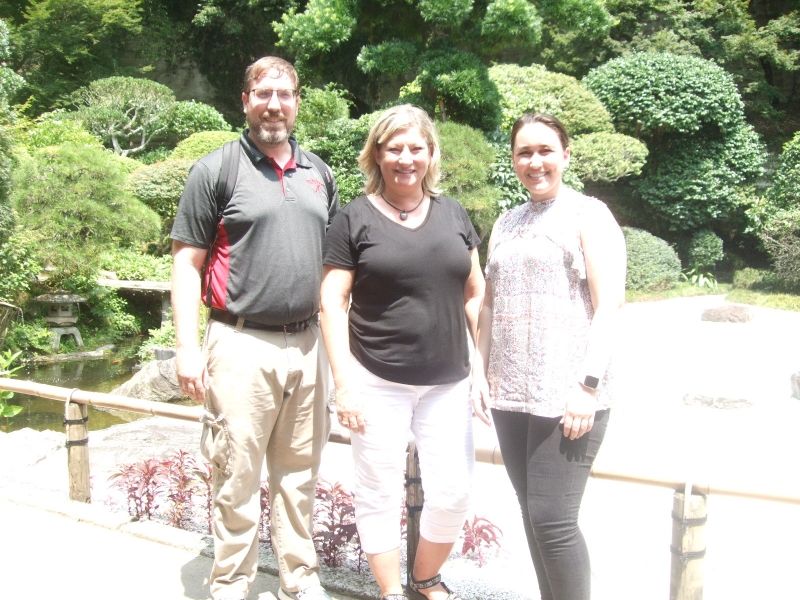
(393, 120)
(266, 64)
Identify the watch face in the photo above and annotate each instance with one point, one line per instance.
(591, 382)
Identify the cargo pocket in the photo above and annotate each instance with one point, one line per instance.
(215, 443)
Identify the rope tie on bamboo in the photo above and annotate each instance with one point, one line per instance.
(67, 421)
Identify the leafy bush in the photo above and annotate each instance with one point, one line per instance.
(652, 263)
(445, 13)
(163, 337)
(319, 108)
(72, 202)
(535, 89)
(514, 23)
(466, 160)
(651, 94)
(785, 190)
(607, 157)
(199, 144)
(184, 118)
(781, 238)
(322, 26)
(18, 267)
(30, 337)
(56, 128)
(454, 85)
(160, 185)
(695, 183)
(704, 251)
(391, 58)
(131, 265)
(750, 278)
(339, 147)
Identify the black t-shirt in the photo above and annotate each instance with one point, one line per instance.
(407, 321)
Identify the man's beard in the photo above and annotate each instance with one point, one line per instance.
(269, 134)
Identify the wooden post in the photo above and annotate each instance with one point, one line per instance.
(688, 545)
(76, 417)
(414, 502)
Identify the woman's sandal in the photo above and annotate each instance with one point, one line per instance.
(415, 587)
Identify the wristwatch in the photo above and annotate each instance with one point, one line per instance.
(591, 382)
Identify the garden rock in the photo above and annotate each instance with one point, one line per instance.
(157, 380)
(728, 313)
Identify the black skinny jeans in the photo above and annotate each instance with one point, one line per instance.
(549, 474)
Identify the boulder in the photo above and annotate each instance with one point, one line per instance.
(157, 380)
(727, 313)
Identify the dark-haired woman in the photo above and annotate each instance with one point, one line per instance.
(555, 280)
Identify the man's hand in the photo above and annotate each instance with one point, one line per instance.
(192, 373)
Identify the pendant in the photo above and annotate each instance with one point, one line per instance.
(403, 215)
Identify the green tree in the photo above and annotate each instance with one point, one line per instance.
(125, 112)
(64, 44)
(72, 201)
(785, 190)
(704, 157)
(455, 85)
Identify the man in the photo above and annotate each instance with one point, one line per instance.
(261, 371)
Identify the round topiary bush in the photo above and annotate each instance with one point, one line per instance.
(201, 143)
(535, 89)
(652, 263)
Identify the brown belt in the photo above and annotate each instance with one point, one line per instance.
(225, 317)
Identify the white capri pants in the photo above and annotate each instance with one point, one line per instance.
(440, 417)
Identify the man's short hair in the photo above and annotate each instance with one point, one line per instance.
(269, 63)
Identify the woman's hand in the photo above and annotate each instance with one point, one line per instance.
(579, 414)
(481, 399)
(348, 411)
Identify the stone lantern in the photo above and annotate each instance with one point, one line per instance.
(61, 316)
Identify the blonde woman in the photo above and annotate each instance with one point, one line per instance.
(407, 258)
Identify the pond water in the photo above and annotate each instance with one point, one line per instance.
(98, 375)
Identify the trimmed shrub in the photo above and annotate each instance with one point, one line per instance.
(466, 162)
(704, 251)
(184, 118)
(751, 279)
(131, 265)
(694, 183)
(199, 144)
(607, 157)
(652, 263)
(651, 93)
(160, 185)
(535, 89)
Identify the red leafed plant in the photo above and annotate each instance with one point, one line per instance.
(140, 482)
(334, 522)
(480, 534)
(177, 473)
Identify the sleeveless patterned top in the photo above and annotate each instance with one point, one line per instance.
(542, 306)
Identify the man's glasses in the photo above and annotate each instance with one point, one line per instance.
(265, 95)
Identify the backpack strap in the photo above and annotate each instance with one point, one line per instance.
(223, 192)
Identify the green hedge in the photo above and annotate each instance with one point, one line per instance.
(652, 263)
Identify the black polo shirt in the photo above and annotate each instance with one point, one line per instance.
(266, 261)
